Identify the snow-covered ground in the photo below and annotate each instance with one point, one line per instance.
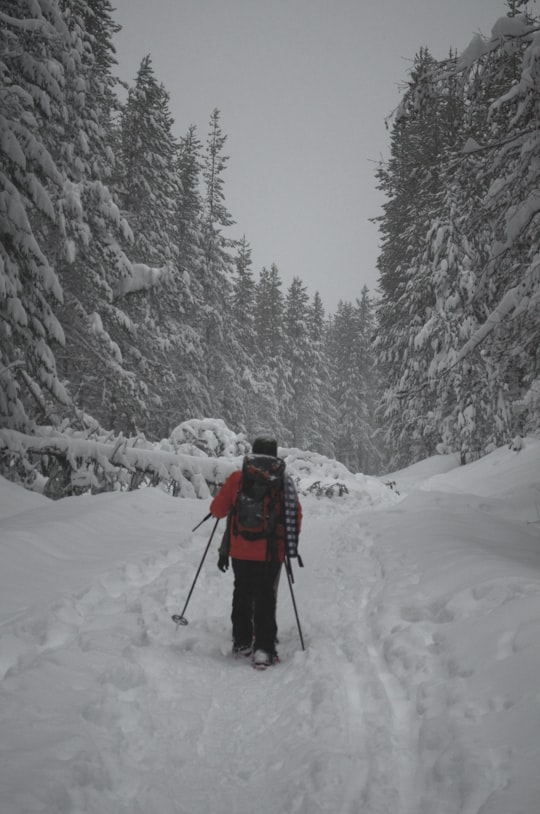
(418, 692)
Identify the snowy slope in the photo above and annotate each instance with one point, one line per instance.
(458, 625)
(14, 500)
(417, 694)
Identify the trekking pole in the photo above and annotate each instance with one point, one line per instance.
(202, 521)
(179, 618)
(290, 579)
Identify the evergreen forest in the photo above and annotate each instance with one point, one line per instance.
(128, 297)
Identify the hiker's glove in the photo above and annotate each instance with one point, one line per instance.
(223, 563)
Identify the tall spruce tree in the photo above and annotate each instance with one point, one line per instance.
(301, 360)
(352, 368)
(189, 365)
(227, 363)
(323, 417)
(256, 392)
(269, 330)
(371, 452)
(243, 298)
(149, 179)
(149, 188)
(189, 216)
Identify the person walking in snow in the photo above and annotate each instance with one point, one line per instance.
(264, 517)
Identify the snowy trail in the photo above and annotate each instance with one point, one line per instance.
(383, 771)
(153, 719)
(417, 693)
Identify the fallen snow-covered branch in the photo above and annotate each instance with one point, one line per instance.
(192, 463)
(98, 465)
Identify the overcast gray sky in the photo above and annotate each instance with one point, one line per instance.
(304, 87)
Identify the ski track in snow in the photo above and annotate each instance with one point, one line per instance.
(164, 721)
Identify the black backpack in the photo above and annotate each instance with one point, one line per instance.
(259, 505)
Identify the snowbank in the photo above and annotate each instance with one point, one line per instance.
(411, 478)
(53, 549)
(507, 475)
(457, 627)
(14, 499)
(325, 477)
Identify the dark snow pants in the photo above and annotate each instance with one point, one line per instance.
(254, 603)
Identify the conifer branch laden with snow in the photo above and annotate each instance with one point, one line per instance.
(98, 465)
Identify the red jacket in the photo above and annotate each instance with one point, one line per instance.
(242, 549)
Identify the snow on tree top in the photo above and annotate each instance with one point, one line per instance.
(510, 26)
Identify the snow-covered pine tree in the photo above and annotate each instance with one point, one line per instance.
(484, 250)
(442, 398)
(254, 384)
(472, 355)
(33, 38)
(243, 298)
(189, 204)
(189, 364)
(323, 419)
(413, 183)
(300, 355)
(227, 364)
(370, 451)
(148, 168)
(149, 188)
(352, 377)
(269, 317)
(269, 310)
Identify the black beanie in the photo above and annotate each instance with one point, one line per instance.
(265, 446)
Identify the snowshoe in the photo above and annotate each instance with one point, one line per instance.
(242, 650)
(262, 660)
